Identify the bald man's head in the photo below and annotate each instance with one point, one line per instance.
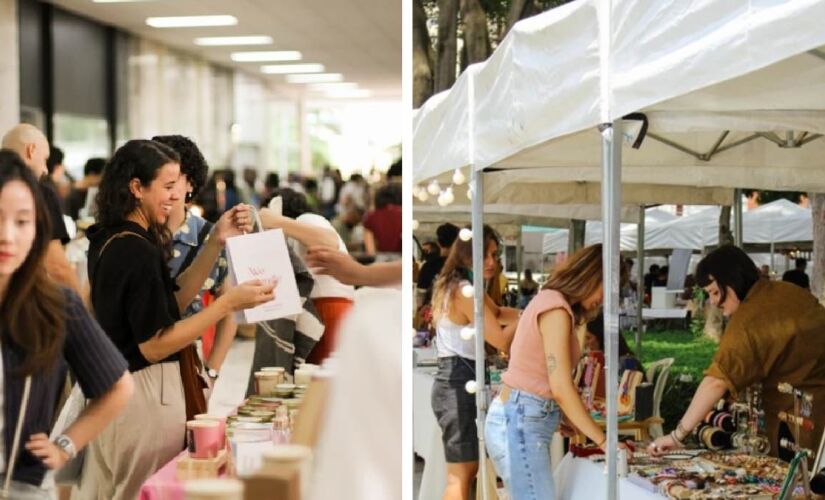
(30, 143)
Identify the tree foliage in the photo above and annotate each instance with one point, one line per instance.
(449, 35)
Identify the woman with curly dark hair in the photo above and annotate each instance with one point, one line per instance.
(44, 330)
(190, 232)
(139, 306)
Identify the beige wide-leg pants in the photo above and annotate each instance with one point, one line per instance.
(147, 434)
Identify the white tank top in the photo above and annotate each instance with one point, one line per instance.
(448, 339)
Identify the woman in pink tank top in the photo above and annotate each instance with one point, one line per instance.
(539, 379)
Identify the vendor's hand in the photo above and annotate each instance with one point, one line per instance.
(249, 294)
(49, 453)
(662, 446)
(235, 221)
(339, 265)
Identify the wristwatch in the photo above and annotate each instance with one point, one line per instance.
(66, 444)
(211, 372)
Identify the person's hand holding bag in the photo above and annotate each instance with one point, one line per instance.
(249, 294)
(235, 221)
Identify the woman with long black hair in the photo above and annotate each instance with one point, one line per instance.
(139, 306)
(44, 330)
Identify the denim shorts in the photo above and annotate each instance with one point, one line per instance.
(455, 409)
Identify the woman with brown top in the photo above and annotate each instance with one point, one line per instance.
(775, 334)
(538, 383)
(454, 407)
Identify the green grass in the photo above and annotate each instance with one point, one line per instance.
(692, 354)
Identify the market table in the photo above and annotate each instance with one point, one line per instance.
(164, 484)
(578, 478)
(427, 436)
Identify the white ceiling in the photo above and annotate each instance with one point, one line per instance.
(361, 39)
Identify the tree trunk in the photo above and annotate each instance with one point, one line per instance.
(422, 57)
(447, 42)
(714, 322)
(725, 234)
(818, 220)
(518, 10)
(476, 34)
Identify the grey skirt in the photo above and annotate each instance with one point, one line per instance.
(455, 409)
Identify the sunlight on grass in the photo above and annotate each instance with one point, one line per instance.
(692, 354)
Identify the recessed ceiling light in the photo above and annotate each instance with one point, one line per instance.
(213, 41)
(349, 94)
(191, 21)
(272, 55)
(333, 86)
(316, 78)
(286, 69)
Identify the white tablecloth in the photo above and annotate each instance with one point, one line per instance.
(579, 478)
(427, 437)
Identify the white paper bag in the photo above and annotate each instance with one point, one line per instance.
(264, 256)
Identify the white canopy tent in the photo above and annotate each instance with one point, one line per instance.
(731, 90)
(557, 242)
(777, 222)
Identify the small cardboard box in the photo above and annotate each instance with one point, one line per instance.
(274, 483)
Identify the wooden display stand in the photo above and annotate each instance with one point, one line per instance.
(274, 483)
(311, 412)
(627, 390)
(201, 468)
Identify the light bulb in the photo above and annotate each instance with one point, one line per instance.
(458, 177)
(442, 200)
(468, 291)
(449, 196)
(471, 386)
(465, 234)
(470, 193)
(467, 333)
(422, 195)
(434, 188)
(416, 190)
(415, 225)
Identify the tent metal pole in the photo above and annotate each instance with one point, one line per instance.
(737, 217)
(640, 279)
(576, 235)
(519, 261)
(477, 218)
(611, 209)
(478, 322)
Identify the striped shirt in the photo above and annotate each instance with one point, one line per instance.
(93, 360)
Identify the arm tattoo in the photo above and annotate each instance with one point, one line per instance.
(551, 364)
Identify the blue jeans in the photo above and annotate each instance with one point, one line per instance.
(531, 422)
(495, 435)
